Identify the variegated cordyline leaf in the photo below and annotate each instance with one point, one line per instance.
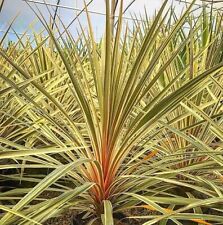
(133, 121)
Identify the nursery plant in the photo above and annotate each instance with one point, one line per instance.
(125, 129)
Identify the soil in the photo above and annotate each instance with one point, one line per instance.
(68, 219)
(65, 219)
(72, 218)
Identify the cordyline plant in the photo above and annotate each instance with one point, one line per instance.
(131, 122)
